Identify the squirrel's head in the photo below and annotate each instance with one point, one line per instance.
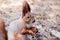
(26, 13)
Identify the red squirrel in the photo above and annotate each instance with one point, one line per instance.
(18, 29)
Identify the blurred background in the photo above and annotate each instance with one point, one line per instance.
(47, 13)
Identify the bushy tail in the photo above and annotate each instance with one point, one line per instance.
(2, 28)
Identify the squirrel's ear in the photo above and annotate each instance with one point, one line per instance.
(25, 8)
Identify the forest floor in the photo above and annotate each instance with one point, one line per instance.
(47, 14)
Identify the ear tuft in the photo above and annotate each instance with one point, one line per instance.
(25, 8)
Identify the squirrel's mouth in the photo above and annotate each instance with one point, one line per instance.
(29, 25)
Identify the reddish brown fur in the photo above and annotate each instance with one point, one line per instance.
(2, 27)
(30, 31)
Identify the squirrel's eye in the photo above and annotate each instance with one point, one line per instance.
(28, 17)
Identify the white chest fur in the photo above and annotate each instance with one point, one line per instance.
(15, 26)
